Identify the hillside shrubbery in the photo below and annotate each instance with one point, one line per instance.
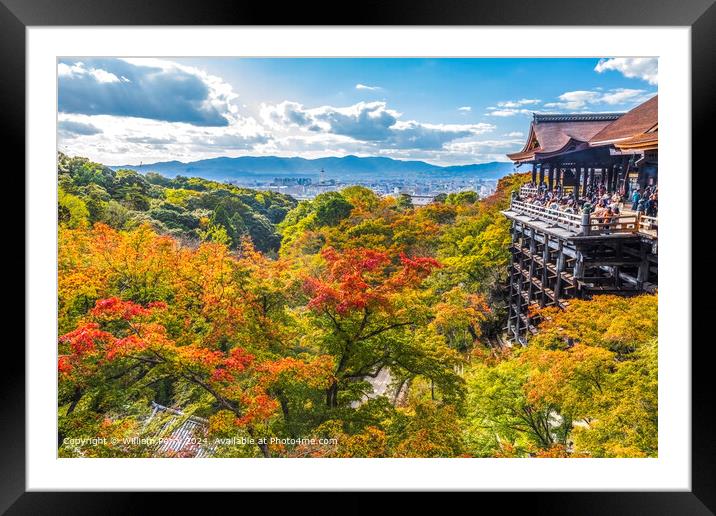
(186, 208)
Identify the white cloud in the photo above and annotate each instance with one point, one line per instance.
(584, 99)
(360, 86)
(285, 114)
(66, 70)
(145, 88)
(115, 140)
(624, 96)
(371, 122)
(515, 134)
(414, 135)
(507, 108)
(79, 69)
(493, 111)
(575, 100)
(476, 150)
(68, 129)
(644, 68)
(517, 103)
(482, 146)
(103, 75)
(465, 109)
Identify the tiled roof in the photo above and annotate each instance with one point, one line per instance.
(554, 132)
(553, 136)
(180, 433)
(637, 121)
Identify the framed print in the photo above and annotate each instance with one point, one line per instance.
(441, 251)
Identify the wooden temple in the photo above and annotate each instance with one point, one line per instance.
(559, 254)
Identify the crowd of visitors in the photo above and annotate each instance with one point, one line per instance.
(645, 201)
(598, 201)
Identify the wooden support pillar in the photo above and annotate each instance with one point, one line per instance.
(619, 251)
(545, 261)
(534, 174)
(576, 184)
(585, 181)
(551, 178)
(560, 269)
(643, 273)
(625, 175)
(520, 280)
(615, 177)
(641, 178)
(578, 272)
(541, 173)
(557, 173)
(510, 308)
(611, 181)
(533, 250)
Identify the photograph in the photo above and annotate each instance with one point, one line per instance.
(357, 257)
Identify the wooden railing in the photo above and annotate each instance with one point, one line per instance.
(570, 221)
(586, 225)
(609, 225)
(528, 190)
(649, 225)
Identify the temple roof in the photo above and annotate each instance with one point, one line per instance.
(640, 120)
(552, 133)
(640, 142)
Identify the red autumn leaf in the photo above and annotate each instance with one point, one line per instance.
(115, 308)
(64, 365)
(125, 345)
(85, 338)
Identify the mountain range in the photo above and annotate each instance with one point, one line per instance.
(341, 168)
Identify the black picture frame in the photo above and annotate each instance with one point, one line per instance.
(700, 15)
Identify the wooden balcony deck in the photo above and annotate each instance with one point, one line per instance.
(570, 225)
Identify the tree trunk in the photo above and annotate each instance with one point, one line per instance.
(75, 400)
(332, 395)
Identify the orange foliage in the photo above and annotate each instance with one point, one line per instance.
(362, 278)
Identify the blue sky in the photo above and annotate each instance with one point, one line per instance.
(445, 111)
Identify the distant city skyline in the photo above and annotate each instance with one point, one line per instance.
(442, 111)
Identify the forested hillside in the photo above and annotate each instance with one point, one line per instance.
(270, 318)
(185, 208)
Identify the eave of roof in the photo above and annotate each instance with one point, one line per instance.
(522, 156)
(646, 141)
(641, 119)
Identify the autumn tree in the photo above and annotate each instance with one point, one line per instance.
(587, 382)
(125, 341)
(367, 309)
